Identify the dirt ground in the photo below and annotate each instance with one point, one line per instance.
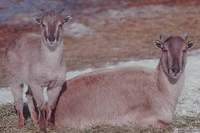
(8, 124)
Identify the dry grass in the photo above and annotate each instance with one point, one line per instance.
(129, 38)
(113, 40)
(116, 40)
(8, 124)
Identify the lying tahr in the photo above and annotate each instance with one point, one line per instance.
(131, 95)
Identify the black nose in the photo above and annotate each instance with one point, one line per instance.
(175, 70)
(51, 38)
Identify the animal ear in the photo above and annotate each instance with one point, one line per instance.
(184, 36)
(158, 44)
(189, 44)
(67, 19)
(164, 37)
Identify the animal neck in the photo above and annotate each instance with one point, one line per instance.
(169, 92)
(52, 58)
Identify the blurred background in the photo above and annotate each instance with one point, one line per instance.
(102, 31)
(106, 32)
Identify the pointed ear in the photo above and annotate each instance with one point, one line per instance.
(38, 20)
(184, 36)
(164, 37)
(67, 19)
(189, 44)
(158, 44)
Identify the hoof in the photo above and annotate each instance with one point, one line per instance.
(51, 125)
(161, 124)
(20, 124)
(20, 121)
(42, 126)
(42, 121)
(34, 118)
(44, 130)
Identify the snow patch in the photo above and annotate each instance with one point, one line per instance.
(23, 18)
(77, 30)
(150, 11)
(189, 102)
(73, 74)
(6, 96)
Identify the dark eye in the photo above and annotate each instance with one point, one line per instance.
(164, 50)
(184, 50)
(60, 25)
(43, 25)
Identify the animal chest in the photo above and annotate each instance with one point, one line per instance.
(45, 74)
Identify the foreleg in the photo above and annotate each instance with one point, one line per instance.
(17, 92)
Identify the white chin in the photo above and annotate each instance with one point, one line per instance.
(52, 43)
(51, 47)
(175, 76)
